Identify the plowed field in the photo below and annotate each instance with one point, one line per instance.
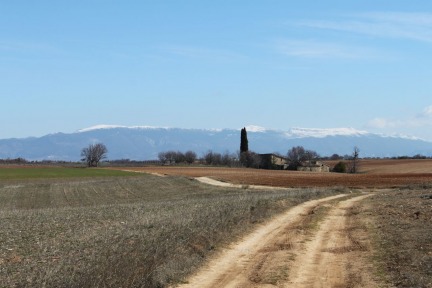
(373, 174)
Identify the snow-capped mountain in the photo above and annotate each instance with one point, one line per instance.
(321, 133)
(145, 142)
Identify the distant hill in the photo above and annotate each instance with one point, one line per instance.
(144, 143)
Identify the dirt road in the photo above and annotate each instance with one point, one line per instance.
(316, 244)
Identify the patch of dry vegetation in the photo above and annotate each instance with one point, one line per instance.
(143, 231)
(403, 235)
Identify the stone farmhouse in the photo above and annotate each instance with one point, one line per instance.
(273, 161)
(313, 166)
(277, 162)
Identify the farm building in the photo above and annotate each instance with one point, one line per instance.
(273, 161)
(313, 166)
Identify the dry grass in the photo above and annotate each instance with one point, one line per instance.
(402, 235)
(144, 231)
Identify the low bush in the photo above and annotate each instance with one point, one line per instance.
(340, 167)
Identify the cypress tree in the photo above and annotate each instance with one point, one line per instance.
(244, 146)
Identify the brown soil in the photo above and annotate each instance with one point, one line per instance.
(290, 251)
(279, 178)
(391, 166)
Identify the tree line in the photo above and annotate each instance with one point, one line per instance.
(190, 157)
(250, 159)
(295, 157)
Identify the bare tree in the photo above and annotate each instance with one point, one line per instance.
(179, 157)
(170, 156)
(297, 155)
(310, 155)
(162, 157)
(229, 159)
(210, 158)
(336, 157)
(190, 157)
(355, 160)
(93, 154)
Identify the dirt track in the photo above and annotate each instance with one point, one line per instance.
(287, 252)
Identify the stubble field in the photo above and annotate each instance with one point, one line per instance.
(137, 230)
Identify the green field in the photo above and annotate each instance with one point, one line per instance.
(13, 173)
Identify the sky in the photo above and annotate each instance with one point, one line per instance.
(68, 65)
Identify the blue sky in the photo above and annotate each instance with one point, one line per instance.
(67, 65)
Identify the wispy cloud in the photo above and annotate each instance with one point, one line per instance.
(320, 49)
(422, 119)
(412, 26)
(427, 112)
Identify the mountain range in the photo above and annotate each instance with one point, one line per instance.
(145, 142)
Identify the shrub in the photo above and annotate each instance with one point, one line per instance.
(340, 167)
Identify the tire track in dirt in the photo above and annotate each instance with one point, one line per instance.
(327, 260)
(282, 253)
(241, 265)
